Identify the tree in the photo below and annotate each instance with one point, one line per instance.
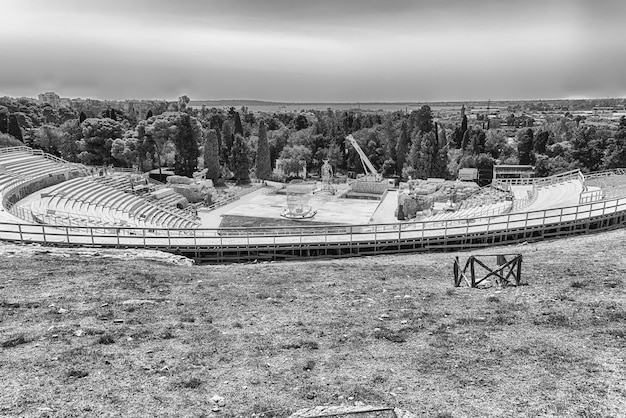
(211, 155)
(7, 140)
(497, 145)
(82, 117)
(149, 114)
(227, 143)
(49, 138)
(457, 137)
(477, 140)
(401, 149)
(263, 162)
(4, 120)
(525, 147)
(72, 133)
(429, 151)
(14, 128)
(466, 142)
(415, 156)
(615, 153)
(186, 138)
(589, 144)
(98, 137)
(484, 164)
(183, 101)
(541, 141)
(238, 125)
(301, 122)
(181, 132)
(294, 158)
(239, 162)
(425, 119)
(463, 125)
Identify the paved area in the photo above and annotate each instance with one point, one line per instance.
(330, 209)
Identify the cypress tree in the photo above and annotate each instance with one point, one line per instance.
(401, 149)
(149, 114)
(263, 162)
(238, 125)
(415, 157)
(227, 143)
(239, 162)
(82, 117)
(186, 158)
(211, 155)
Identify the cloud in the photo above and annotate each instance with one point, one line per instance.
(313, 50)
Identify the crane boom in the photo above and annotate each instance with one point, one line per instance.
(367, 164)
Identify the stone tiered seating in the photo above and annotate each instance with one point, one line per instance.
(556, 195)
(92, 199)
(23, 165)
(153, 192)
(471, 212)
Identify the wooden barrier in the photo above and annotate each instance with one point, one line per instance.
(509, 268)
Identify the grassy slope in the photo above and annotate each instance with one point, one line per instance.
(274, 338)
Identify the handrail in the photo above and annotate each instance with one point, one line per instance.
(41, 153)
(381, 238)
(556, 178)
(617, 204)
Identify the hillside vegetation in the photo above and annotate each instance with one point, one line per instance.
(96, 336)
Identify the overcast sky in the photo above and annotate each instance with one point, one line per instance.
(314, 50)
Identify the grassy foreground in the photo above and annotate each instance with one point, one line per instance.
(91, 336)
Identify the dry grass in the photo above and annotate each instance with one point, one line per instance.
(99, 337)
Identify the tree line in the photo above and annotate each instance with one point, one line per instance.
(236, 143)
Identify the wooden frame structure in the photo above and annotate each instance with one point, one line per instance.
(508, 270)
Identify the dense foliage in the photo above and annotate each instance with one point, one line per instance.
(235, 143)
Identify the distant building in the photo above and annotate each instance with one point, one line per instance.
(468, 174)
(513, 171)
(50, 97)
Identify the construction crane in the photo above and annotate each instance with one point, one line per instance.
(370, 170)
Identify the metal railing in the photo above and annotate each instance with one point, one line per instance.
(220, 244)
(437, 233)
(529, 181)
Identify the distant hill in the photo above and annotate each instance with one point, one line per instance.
(233, 102)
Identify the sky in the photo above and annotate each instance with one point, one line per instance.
(314, 50)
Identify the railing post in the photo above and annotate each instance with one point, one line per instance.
(376, 238)
(19, 228)
(43, 230)
(526, 221)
